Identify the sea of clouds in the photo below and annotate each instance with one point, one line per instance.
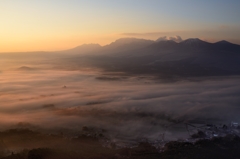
(126, 106)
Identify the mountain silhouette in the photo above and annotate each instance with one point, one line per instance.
(82, 49)
(26, 68)
(125, 44)
(191, 57)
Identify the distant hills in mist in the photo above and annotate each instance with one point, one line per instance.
(26, 68)
(165, 56)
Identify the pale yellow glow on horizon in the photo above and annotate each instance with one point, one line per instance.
(54, 43)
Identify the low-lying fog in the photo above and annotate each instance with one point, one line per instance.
(128, 107)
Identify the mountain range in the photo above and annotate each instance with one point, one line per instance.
(191, 57)
(163, 57)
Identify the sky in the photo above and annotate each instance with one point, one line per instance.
(48, 25)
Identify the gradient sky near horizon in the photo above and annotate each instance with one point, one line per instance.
(34, 25)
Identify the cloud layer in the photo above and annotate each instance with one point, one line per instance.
(128, 106)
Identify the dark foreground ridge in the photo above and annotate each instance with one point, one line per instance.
(28, 144)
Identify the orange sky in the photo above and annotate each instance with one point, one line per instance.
(31, 25)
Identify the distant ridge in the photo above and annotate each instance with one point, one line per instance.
(26, 68)
(85, 48)
(190, 57)
(128, 43)
(193, 41)
(135, 43)
(223, 42)
(88, 46)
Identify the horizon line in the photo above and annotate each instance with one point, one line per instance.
(37, 51)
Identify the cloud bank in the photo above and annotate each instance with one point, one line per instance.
(128, 106)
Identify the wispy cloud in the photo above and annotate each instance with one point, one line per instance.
(149, 33)
(174, 38)
(217, 33)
